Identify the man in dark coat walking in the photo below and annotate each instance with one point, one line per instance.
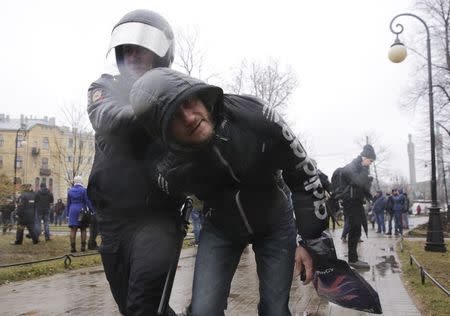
(357, 188)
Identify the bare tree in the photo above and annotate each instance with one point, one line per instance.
(74, 143)
(190, 57)
(6, 189)
(436, 13)
(268, 81)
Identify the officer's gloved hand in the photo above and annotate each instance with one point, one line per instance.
(174, 174)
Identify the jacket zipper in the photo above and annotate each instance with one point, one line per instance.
(241, 211)
(237, 199)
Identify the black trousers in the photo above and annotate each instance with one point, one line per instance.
(19, 232)
(93, 232)
(353, 210)
(136, 258)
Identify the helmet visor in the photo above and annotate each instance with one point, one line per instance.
(140, 34)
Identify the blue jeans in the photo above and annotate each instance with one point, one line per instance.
(196, 228)
(380, 221)
(46, 218)
(218, 258)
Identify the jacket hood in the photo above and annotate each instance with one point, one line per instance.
(157, 94)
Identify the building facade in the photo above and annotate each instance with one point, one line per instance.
(44, 153)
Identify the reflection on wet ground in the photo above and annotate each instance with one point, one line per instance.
(86, 292)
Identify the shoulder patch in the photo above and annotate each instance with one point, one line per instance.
(96, 95)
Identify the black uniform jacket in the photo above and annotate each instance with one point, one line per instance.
(118, 184)
(26, 208)
(237, 173)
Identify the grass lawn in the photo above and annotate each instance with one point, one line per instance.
(421, 230)
(58, 246)
(431, 299)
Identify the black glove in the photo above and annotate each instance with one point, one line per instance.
(174, 175)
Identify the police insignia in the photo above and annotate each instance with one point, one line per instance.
(97, 95)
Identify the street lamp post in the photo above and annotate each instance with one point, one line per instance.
(22, 128)
(397, 53)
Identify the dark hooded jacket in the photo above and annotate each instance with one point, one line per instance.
(118, 184)
(356, 179)
(43, 200)
(237, 173)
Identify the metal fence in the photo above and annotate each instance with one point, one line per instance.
(66, 257)
(424, 273)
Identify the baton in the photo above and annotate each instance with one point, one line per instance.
(185, 214)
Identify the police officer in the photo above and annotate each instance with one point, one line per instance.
(26, 215)
(138, 225)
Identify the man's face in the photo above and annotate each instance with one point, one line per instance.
(366, 162)
(137, 60)
(191, 124)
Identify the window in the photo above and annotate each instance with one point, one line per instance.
(20, 140)
(45, 143)
(19, 162)
(70, 143)
(2, 141)
(1, 161)
(44, 163)
(69, 158)
(50, 184)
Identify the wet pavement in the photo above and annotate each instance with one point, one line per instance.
(86, 291)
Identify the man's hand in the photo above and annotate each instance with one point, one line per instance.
(303, 261)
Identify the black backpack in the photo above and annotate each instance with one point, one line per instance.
(338, 184)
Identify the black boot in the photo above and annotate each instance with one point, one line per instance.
(72, 247)
(92, 245)
(83, 246)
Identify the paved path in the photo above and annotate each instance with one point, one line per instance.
(86, 292)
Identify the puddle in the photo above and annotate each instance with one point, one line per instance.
(387, 263)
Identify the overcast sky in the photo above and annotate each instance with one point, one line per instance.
(53, 50)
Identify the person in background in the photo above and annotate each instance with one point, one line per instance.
(390, 210)
(7, 209)
(418, 209)
(77, 199)
(59, 208)
(399, 206)
(43, 202)
(405, 212)
(26, 215)
(378, 208)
